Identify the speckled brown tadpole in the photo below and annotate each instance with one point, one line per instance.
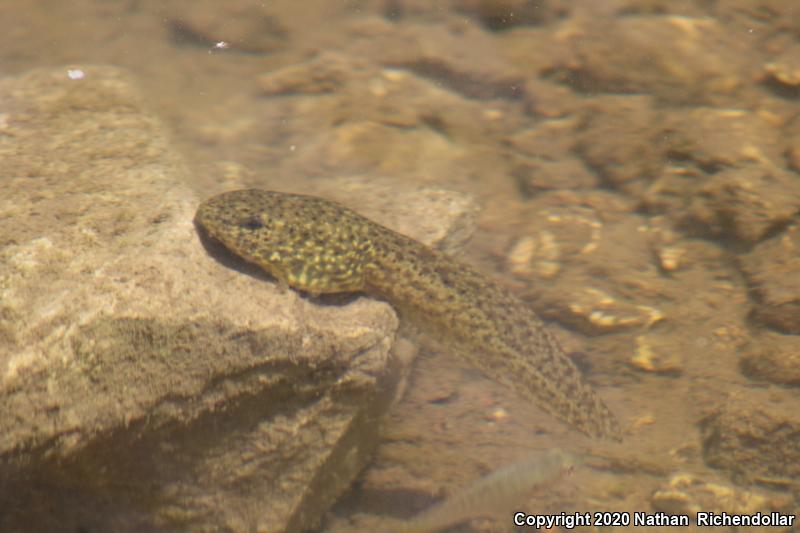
(319, 246)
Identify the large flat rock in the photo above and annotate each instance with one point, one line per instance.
(142, 383)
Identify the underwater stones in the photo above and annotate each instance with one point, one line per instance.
(658, 354)
(687, 494)
(725, 176)
(621, 138)
(324, 73)
(746, 202)
(785, 68)
(539, 174)
(676, 58)
(754, 437)
(127, 353)
(556, 236)
(773, 270)
(594, 311)
(543, 159)
(773, 357)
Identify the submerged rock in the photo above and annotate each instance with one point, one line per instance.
(142, 383)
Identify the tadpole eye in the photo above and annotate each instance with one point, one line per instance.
(251, 223)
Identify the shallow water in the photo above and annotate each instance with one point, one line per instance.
(637, 164)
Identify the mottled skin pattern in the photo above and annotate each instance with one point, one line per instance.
(318, 246)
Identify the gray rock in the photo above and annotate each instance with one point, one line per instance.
(142, 383)
(727, 176)
(621, 138)
(460, 57)
(754, 436)
(773, 357)
(677, 59)
(747, 203)
(773, 270)
(325, 73)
